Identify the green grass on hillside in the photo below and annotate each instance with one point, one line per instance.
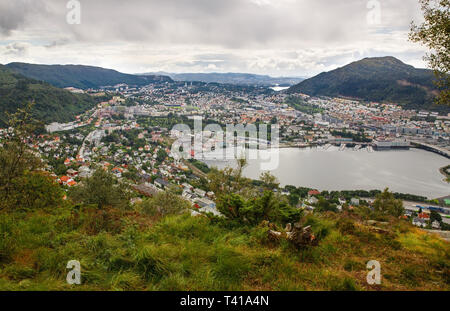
(128, 250)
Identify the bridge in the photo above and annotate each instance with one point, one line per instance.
(432, 148)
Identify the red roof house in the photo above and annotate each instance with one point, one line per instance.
(313, 192)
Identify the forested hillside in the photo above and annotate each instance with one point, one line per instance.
(51, 104)
(82, 77)
(383, 79)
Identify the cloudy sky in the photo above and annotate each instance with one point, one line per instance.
(275, 37)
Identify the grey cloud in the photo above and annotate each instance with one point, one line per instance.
(230, 23)
(16, 48)
(56, 43)
(11, 17)
(246, 35)
(14, 14)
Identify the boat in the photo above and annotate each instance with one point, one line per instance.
(391, 144)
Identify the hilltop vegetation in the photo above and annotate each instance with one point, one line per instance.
(128, 249)
(383, 79)
(82, 77)
(51, 104)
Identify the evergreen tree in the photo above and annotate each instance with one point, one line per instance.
(385, 203)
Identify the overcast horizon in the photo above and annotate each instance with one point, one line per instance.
(295, 38)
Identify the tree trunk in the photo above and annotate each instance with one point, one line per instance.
(297, 235)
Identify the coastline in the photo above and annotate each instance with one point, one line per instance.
(443, 171)
(286, 146)
(368, 160)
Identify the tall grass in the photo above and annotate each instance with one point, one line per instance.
(126, 250)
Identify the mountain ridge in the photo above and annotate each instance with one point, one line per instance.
(52, 104)
(82, 76)
(232, 78)
(379, 79)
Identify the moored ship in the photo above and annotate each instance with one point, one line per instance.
(391, 144)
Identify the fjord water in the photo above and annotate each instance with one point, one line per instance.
(412, 171)
(279, 88)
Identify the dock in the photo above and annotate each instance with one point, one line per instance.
(432, 148)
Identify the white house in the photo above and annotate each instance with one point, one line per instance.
(436, 225)
(354, 201)
(312, 200)
(419, 222)
(200, 192)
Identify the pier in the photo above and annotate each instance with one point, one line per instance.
(428, 147)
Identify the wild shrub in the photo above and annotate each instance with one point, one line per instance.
(149, 264)
(7, 237)
(187, 227)
(98, 220)
(50, 261)
(267, 207)
(260, 234)
(120, 263)
(345, 284)
(267, 259)
(230, 267)
(18, 272)
(365, 236)
(386, 204)
(410, 275)
(311, 255)
(126, 280)
(175, 282)
(390, 241)
(68, 220)
(320, 227)
(363, 211)
(102, 189)
(101, 247)
(351, 265)
(164, 203)
(346, 225)
(34, 190)
(324, 205)
(22, 185)
(446, 275)
(402, 226)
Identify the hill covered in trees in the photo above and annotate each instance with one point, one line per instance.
(83, 77)
(380, 79)
(51, 104)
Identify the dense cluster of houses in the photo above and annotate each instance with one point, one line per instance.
(423, 220)
(82, 150)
